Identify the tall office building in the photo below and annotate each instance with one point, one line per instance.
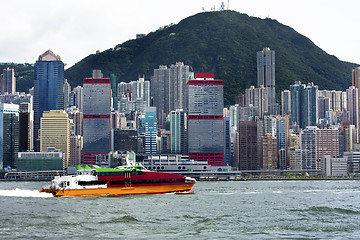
(9, 135)
(257, 97)
(356, 77)
(76, 145)
(327, 143)
(150, 130)
(205, 120)
(304, 104)
(282, 135)
(96, 119)
(48, 88)
(308, 148)
(55, 133)
(168, 89)
(247, 146)
(285, 102)
(178, 131)
(66, 91)
(352, 94)
(269, 152)
(8, 81)
(26, 124)
(266, 76)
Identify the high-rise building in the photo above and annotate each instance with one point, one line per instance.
(352, 94)
(246, 146)
(356, 77)
(8, 81)
(308, 148)
(168, 89)
(327, 143)
(282, 135)
(304, 104)
(55, 133)
(266, 76)
(9, 135)
(26, 118)
(285, 102)
(96, 119)
(256, 97)
(227, 142)
(150, 130)
(76, 146)
(205, 119)
(48, 88)
(178, 131)
(269, 152)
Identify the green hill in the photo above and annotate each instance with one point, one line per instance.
(224, 43)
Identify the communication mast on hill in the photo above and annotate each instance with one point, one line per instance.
(222, 7)
(228, 5)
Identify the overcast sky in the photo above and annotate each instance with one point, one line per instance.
(74, 29)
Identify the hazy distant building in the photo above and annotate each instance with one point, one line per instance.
(168, 89)
(285, 102)
(352, 94)
(266, 77)
(8, 81)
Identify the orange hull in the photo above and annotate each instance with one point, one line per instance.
(122, 190)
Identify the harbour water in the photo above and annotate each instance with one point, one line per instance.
(217, 210)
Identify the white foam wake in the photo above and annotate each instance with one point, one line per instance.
(24, 193)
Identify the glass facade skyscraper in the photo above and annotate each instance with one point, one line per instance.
(48, 88)
(96, 119)
(205, 120)
(9, 135)
(150, 130)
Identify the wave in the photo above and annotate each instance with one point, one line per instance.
(24, 193)
(322, 210)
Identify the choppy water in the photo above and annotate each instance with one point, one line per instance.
(217, 210)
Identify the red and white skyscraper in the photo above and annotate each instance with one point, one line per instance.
(205, 119)
(96, 119)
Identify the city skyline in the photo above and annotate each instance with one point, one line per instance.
(55, 29)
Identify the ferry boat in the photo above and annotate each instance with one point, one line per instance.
(92, 180)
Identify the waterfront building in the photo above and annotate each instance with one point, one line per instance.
(96, 119)
(9, 135)
(178, 131)
(269, 152)
(48, 88)
(150, 130)
(353, 161)
(227, 142)
(205, 120)
(308, 148)
(327, 143)
(55, 133)
(246, 146)
(334, 166)
(285, 102)
(8, 81)
(40, 161)
(125, 140)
